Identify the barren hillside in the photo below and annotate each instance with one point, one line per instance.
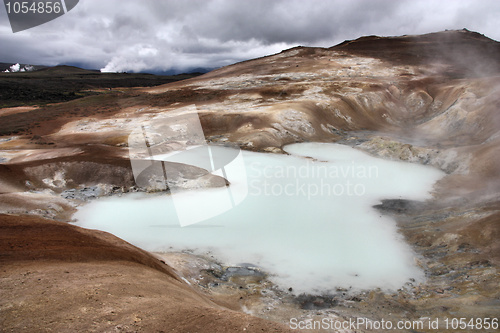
(430, 99)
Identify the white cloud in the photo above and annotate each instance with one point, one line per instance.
(128, 35)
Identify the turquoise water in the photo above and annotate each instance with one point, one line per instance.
(306, 218)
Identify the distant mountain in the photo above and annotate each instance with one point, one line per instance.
(196, 70)
(81, 68)
(64, 69)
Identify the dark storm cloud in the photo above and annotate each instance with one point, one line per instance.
(120, 35)
(290, 21)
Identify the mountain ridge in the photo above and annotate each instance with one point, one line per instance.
(412, 50)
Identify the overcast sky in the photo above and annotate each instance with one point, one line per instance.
(153, 35)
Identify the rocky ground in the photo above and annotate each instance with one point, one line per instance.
(430, 99)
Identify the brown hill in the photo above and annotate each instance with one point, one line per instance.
(460, 49)
(58, 277)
